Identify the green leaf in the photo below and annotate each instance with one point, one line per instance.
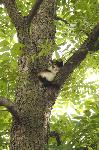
(5, 57)
(16, 50)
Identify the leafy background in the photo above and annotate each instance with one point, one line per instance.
(75, 115)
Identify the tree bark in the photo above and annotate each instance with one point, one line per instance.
(30, 131)
(33, 102)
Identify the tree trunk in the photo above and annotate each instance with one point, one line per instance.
(33, 100)
(32, 108)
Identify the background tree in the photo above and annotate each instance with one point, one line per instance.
(28, 101)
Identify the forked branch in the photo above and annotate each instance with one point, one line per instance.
(9, 105)
(33, 11)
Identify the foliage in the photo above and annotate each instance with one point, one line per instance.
(81, 17)
(9, 52)
(5, 120)
(24, 6)
(76, 112)
(75, 115)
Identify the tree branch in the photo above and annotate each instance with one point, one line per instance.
(57, 136)
(61, 19)
(91, 44)
(13, 13)
(33, 11)
(9, 105)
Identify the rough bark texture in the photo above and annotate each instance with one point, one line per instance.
(30, 132)
(33, 101)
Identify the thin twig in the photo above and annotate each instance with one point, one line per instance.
(57, 136)
(61, 19)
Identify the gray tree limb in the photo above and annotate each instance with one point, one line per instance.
(13, 12)
(90, 44)
(9, 105)
(33, 11)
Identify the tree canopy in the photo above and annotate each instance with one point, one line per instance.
(74, 119)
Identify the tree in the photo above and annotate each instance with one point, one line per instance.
(33, 102)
